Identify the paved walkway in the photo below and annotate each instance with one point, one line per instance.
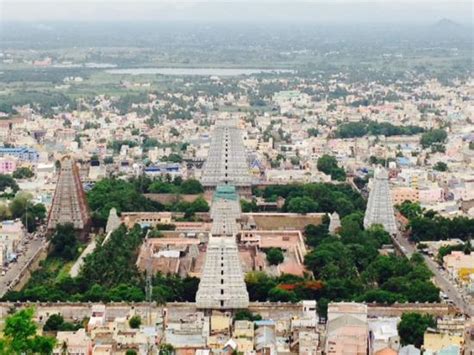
(80, 261)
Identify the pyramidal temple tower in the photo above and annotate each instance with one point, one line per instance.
(379, 207)
(69, 201)
(226, 163)
(222, 284)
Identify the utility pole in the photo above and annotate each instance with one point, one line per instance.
(26, 216)
(148, 282)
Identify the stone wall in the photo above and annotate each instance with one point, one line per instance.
(274, 310)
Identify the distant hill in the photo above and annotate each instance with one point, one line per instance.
(446, 29)
(446, 23)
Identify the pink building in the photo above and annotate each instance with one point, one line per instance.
(7, 165)
(431, 195)
(402, 194)
(347, 329)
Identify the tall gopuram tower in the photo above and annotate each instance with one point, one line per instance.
(222, 284)
(69, 201)
(379, 207)
(226, 163)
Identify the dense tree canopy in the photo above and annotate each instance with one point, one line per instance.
(351, 268)
(360, 129)
(433, 137)
(120, 194)
(340, 198)
(428, 225)
(328, 165)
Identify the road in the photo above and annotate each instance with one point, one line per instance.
(440, 276)
(15, 268)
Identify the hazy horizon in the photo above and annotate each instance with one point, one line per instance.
(315, 12)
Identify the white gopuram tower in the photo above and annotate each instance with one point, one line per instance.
(226, 163)
(222, 284)
(379, 207)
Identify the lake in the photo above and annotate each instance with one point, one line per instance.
(195, 71)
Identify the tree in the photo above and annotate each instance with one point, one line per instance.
(23, 173)
(191, 186)
(313, 132)
(413, 326)
(435, 136)
(7, 181)
(122, 195)
(5, 213)
(135, 322)
(245, 314)
(130, 352)
(20, 335)
(275, 256)
(315, 234)
(174, 158)
(19, 204)
(65, 243)
(56, 322)
(248, 206)
(302, 205)
(328, 165)
(166, 349)
(174, 132)
(410, 209)
(440, 166)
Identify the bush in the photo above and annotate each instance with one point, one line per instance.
(23, 173)
(245, 314)
(135, 322)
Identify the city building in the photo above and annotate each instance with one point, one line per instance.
(347, 330)
(21, 153)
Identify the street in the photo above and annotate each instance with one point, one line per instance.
(440, 276)
(28, 248)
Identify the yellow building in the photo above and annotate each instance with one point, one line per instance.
(220, 323)
(437, 341)
(464, 274)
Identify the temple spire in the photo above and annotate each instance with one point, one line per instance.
(379, 207)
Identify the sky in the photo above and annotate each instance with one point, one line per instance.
(321, 11)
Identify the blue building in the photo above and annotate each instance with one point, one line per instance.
(22, 153)
(162, 169)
